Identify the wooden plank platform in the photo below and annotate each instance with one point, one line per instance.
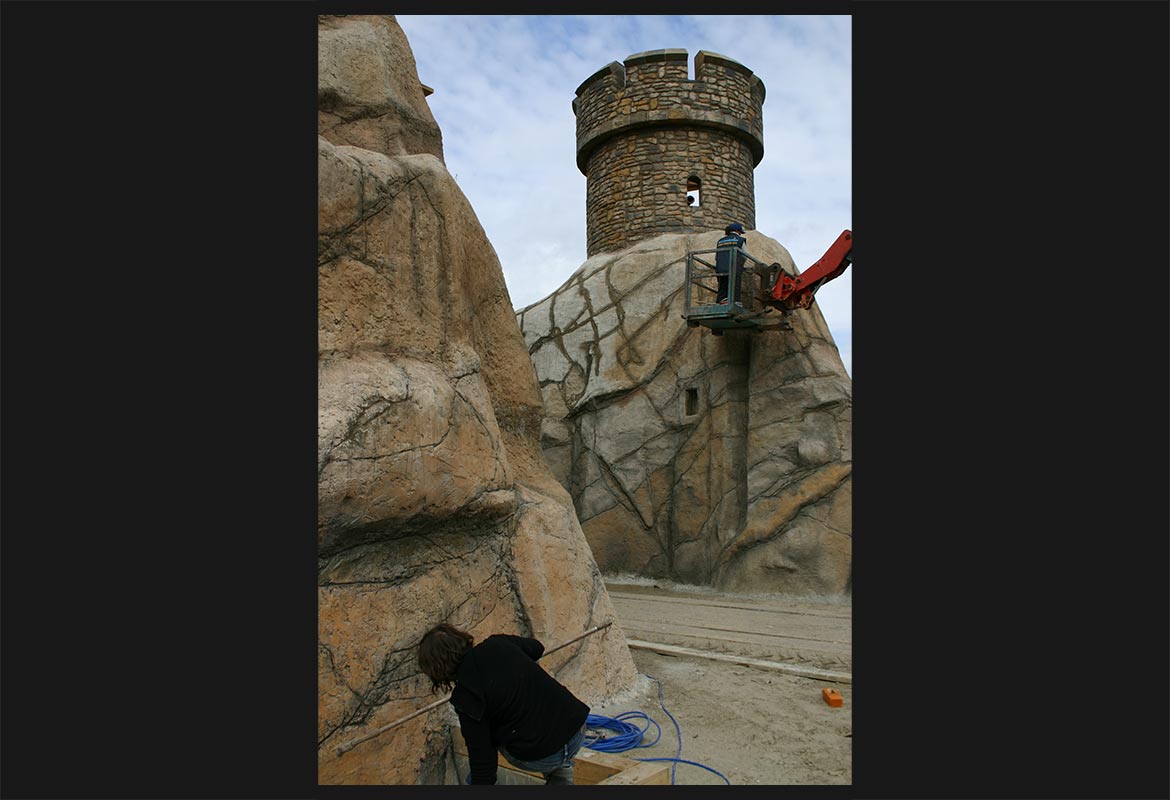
(790, 669)
(591, 768)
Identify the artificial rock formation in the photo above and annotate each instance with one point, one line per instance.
(434, 501)
(720, 460)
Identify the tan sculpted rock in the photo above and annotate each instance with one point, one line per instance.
(723, 460)
(434, 501)
(368, 92)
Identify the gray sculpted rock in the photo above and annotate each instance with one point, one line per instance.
(434, 503)
(721, 460)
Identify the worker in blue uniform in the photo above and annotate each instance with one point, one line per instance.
(728, 254)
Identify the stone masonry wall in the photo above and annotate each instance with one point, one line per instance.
(634, 145)
(637, 185)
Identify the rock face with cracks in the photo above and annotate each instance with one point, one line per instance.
(716, 460)
(434, 501)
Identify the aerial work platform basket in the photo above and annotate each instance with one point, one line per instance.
(759, 296)
(747, 289)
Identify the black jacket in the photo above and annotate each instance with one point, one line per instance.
(724, 254)
(505, 699)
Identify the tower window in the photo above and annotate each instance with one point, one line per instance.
(693, 185)
(692, 402)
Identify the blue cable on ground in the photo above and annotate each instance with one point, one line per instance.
(684, 761)
(628, 736)
(677, 729)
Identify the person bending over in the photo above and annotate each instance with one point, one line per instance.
(506, 702)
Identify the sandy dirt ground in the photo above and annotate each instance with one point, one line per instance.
(753, 724)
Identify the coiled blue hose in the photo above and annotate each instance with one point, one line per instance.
(628, 736)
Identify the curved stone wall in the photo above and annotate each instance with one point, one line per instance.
(637, 185)
(644, 127)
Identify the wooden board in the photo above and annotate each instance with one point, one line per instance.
(790, 669)
(643, 773)
(591, 768)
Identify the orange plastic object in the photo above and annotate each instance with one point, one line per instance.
(832, 697)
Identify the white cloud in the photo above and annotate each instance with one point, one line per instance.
(503, 92)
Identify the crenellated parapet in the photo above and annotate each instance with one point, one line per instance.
(646, 131)
(653, 88)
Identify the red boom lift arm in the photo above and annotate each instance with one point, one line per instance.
(790, 292)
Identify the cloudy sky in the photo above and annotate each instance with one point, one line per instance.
(503, 92)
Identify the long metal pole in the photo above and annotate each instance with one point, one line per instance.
(589, 632)
(345, 748)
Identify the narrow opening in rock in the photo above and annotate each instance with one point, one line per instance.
(693, 185)
(692, 402)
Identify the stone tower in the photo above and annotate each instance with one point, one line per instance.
(664, 153)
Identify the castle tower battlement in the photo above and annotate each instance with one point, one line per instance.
(647, 134)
